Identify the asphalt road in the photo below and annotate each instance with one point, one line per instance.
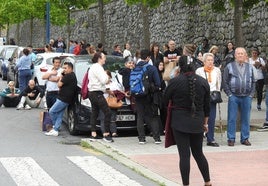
(29, 158)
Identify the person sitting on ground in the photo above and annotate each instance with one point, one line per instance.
(9, 97)
(31, 96)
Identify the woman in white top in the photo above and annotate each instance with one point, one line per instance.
(126, 52)
(259, 65)
(98, 79)
(213, 76)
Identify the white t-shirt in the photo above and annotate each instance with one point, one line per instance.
(127, 53)
(51, 85)
(259, 73)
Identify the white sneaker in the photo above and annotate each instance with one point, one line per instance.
(45, 106)
(52, 132)
(20, 107)
(27, 107)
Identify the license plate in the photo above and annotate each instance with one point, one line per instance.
(125, 118)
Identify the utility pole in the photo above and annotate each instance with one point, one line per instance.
(47, 22)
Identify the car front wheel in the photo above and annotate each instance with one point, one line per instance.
(72, 121)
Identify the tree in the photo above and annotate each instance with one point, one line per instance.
(241, 9)
(17, 11)
(145, 5)
(8, 17)
(61, 10)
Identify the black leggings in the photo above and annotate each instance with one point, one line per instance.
(259, 90)
(186, 143)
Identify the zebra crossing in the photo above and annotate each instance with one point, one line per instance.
(25, 171)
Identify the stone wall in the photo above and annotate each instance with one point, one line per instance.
(172, 20)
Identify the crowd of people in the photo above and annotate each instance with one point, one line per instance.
(185, 76)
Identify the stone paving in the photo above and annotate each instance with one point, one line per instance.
(233, 166)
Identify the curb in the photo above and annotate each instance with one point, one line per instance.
(107, 150)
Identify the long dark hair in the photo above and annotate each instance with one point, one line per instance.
(187, 68)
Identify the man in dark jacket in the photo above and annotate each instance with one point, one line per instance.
(145, 112)
(31, 96)
(239, 86)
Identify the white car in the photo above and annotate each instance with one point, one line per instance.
(43, 63)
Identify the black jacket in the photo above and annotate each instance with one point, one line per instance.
(178, 91)
(125, 72)
(36, 90)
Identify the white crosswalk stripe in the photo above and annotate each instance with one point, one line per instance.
(102, 172)
(26, 172)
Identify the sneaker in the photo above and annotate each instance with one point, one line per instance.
(45, 106)
(158, 141)
(108, 139)
(258, 107)
(263, 128)
(52, 132)
(27, 107)
(142, 141)
(20, 107)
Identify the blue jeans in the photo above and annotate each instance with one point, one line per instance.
(244, 103)
(211, 122)
(24, 78)
(113, 121)
(56, 113)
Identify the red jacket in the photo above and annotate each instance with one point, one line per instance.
(77, 50)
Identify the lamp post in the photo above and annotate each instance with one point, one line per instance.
(47, 22)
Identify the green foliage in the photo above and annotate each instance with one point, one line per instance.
(191, 2)
(147, 3)
(16, 11)
(218, 6)
(59, 9)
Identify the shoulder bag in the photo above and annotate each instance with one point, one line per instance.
(113, 102)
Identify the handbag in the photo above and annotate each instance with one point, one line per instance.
(168, 69)
(113, 102)
(215, 97)
(169, 137)
(46, 122)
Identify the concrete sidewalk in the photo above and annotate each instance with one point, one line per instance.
(233, 166)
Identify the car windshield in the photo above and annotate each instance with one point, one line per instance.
(80, 70)
(9, 53)
(114, 63)
(38, 60)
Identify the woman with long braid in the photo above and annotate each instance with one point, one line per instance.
(190, 96)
